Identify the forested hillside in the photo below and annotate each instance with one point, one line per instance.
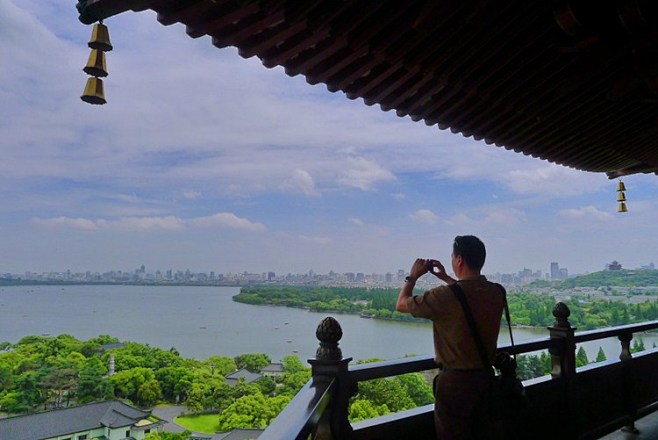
(619, 278)
(40, 373)
(527, 307)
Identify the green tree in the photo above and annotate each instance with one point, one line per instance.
(149, 393)
(168, 435)
(417, 388)
(253, 362)
(93, 383)
(197, 397)
(175, 382)
(222, 365)
(13, 402)
(58, 385)
(638, 345)
(223, 394)
(266, 385)
(292, 364)
(387, 391)
(600, 355)
(27, 394)
(361, 409)
(293, 382)
(531, 366)
(252, 411)
(127, 383)
(203, 392)
(581, 357)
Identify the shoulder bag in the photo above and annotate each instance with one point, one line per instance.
(507, 397)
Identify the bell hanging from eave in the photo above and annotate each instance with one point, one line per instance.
(93, 93)
(100, 38)
(96, 65)
(621, 196)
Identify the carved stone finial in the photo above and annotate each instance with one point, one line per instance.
(329, 333)
(561, 313)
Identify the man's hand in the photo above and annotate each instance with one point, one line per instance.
(437, 269)
(419, 268)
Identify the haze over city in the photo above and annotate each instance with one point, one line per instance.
(204, 160)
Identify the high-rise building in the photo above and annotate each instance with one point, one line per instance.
(555, 271)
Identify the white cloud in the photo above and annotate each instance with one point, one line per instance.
(553, 181)
(66, 222)
(191, 195)
(170, 223)
(301, 181)
(586, 212)
(461, 219)
(315, 240)
(157, 158)
(425, 216)
(355, 221)
(228, 219)
(166, 223)
(363, 174)
(504, 216)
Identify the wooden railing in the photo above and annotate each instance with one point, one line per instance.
(570, 403)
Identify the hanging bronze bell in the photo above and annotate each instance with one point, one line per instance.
(622, 207)
(621, 197)
(621, 186)
(100, 38)
(96, 65)
(93, 93)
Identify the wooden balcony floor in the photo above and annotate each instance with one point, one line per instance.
(648, 427)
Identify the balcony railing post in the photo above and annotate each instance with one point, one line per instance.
(625, 340)
(328, 365)
(563, 356)
(627, 386)
(563, 363)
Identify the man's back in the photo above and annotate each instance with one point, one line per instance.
(453, 342)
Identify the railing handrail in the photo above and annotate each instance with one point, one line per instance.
(393, 367)
(301, 415)
(592, 335)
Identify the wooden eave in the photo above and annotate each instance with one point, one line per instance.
(574, 83)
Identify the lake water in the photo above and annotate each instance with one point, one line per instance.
(204, 321)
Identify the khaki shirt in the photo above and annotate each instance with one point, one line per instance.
(454, 346)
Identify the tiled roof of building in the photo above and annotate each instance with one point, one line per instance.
(244, 374)
(273, 368)
(573, 82)
(49, 424)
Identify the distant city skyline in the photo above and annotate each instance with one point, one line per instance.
(555, 272)
(206, 160)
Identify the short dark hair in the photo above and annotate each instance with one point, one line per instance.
(471, 250)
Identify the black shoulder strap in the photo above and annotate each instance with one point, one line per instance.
(507, 317)
(459, 293)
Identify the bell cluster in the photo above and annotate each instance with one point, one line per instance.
(96, 66)
(621, 197)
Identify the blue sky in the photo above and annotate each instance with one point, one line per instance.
(204, 160)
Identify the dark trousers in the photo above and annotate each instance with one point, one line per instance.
(460, 411)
